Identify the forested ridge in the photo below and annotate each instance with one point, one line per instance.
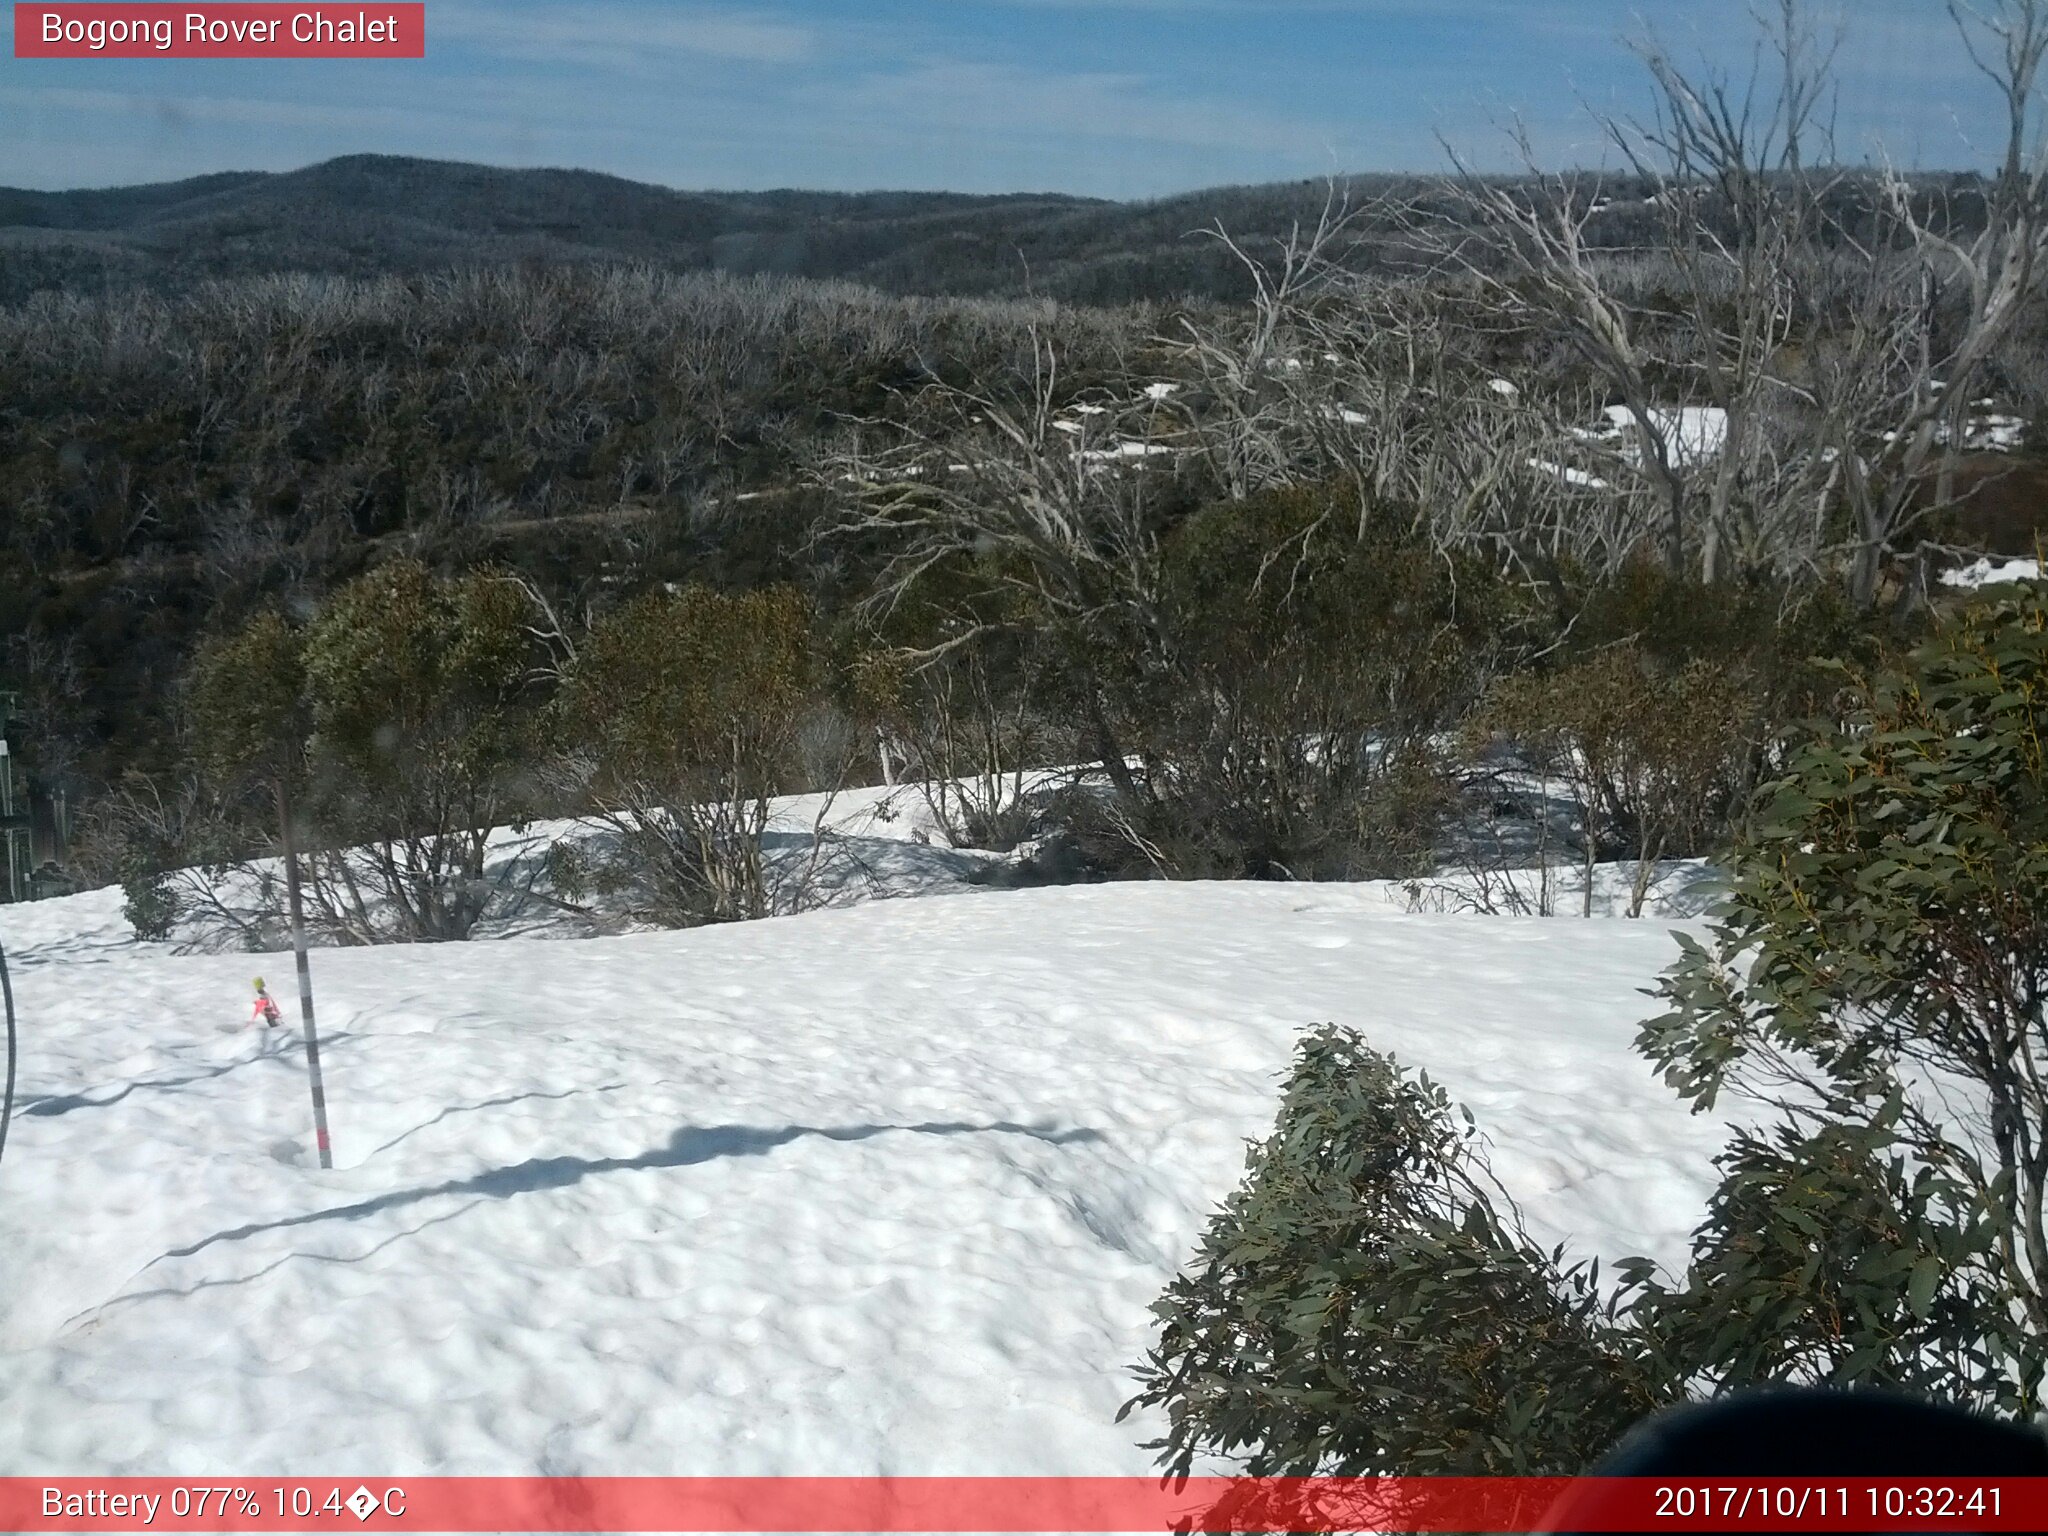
(1718, 364)
(376, 215)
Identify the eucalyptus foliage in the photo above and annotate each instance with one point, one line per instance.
(1368, 1303)
(687, 709)
(1882, 963)
(399, 727)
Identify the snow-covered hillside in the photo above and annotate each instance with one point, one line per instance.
(877, 1190)
(1992, 573)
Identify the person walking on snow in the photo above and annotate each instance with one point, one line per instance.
(266, 1008)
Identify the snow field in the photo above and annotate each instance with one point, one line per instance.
(886, 1189)
(1992, 573)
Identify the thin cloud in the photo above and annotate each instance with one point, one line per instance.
(1004, 100)
(623, 37)
(1125, 98)
(1391, 8)
(247, 111)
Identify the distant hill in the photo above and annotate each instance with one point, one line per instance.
(366, 215)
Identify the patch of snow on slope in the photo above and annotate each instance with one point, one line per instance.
(1995, 433)
(1692, 434)
(1990, 573)
(1127, 450)
(1568, 475)
(1992, 432)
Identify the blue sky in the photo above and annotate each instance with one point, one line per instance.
(1113, 98)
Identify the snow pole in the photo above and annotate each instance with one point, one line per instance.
(291, 885)
(7, 1101)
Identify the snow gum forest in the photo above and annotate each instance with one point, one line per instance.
(1370, 827)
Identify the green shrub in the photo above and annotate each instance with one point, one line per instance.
(424, 739)
(1883, 960)
(673, 684)
(397, 729)
(1366, 1303)
(149, 905)
(956, 683)
(1290, 729)
(687, 711)
(246, 702)
(1659, 759)
(1775, 638)
(1830, 1255)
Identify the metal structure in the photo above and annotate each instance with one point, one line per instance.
(15, 821)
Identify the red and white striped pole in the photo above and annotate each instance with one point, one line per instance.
(291, 884)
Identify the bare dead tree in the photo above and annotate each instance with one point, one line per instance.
(1735, 213)
(1056, 498)
(1247, 371)
(1375, 383)
(1925, 335)
(1808, 351)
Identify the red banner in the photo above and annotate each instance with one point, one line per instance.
(233, 31)
(1003, 1505)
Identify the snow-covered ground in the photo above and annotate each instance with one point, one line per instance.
(1692, 434)
(1992, 573)
(885, 1188)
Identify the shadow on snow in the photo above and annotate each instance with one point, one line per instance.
(689, 1145)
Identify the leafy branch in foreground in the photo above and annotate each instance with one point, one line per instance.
(1368, 1303)
(1883, 960)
